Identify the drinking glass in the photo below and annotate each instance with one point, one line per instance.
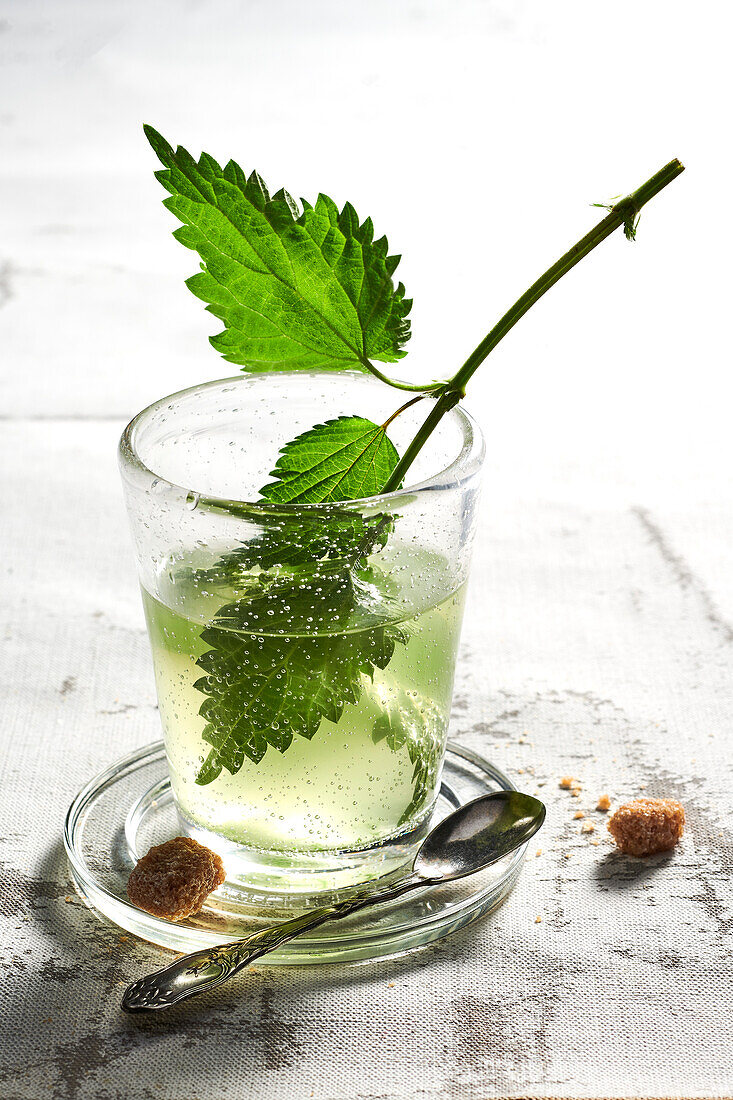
(304, 654)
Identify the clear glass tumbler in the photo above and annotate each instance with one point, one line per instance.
(305, 653)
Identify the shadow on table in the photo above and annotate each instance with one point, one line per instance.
(619, 872)
(83, 963)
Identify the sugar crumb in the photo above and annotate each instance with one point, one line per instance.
(538, 919)
(578, 814)
(567, 782)
(604, 803)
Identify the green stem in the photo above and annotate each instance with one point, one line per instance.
(443, 404)
(420, 387)
(621, 213)
(402, 408)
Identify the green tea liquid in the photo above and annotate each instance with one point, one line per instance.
(353, 785)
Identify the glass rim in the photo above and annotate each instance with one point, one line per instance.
(466, 463)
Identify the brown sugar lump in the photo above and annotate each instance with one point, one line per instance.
(647, 825)
(174, 879)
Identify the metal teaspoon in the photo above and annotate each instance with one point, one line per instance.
(469, 839)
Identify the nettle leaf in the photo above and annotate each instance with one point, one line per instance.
(343, 459)
(293, 542)
(282, 656)
(266, 690)
(423, 753)
(295, 288)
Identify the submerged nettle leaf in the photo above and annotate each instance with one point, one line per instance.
(424, 753)
(295, 289)
(262, 685)
(343, 459)
(291, 542)
(266, 690)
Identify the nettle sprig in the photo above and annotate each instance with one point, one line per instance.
(301, 287)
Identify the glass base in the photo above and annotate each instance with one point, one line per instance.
(129, 807)
(291, 880)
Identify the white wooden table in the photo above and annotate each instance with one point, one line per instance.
(599, 632)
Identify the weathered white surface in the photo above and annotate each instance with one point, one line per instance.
(591, 647)
(599, 634)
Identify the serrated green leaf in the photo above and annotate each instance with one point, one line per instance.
(344, 459)
(422, 751)
(264, 688)
(264, 691)
(295, 289)
(284, 655)
(292, 543)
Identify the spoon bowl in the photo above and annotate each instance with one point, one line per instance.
(478, 834)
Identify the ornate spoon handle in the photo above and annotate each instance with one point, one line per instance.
(202, 970)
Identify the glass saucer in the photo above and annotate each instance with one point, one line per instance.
(129, 806)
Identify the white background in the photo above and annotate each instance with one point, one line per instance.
(475, 134)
